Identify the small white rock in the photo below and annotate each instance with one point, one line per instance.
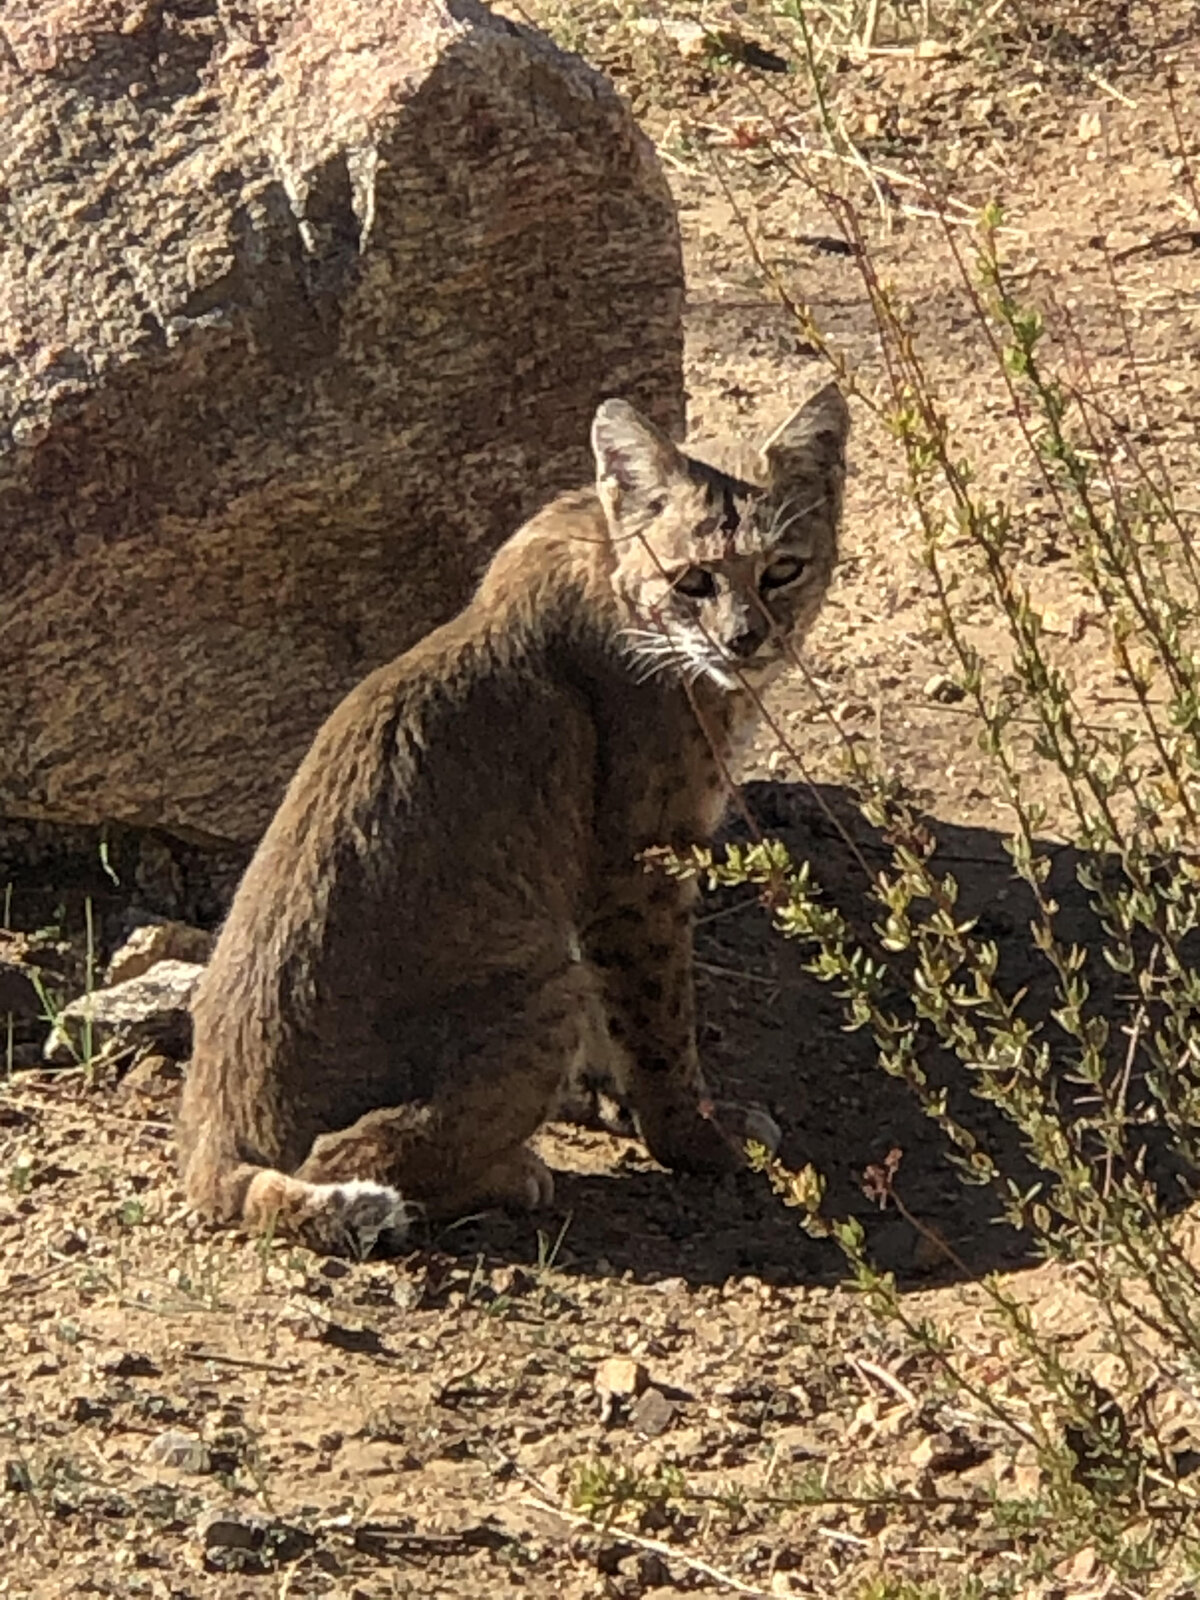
(182, 1451)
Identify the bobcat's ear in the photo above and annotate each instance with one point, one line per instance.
(812, 442)
(634, 460)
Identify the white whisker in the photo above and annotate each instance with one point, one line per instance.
(650, 667)
(655, 652)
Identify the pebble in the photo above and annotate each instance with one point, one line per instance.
(652, 1413)
(943, 689)
(232, 1530)
(182, 1451)
(618, 1380)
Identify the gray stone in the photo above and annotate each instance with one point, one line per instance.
(242, 1541)
(304, 305)
(158, 941)
(943, 689)
(652, 1413)
(152, 1010)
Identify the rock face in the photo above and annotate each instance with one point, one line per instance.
(304, 305)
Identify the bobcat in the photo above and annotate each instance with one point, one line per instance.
(451, 909)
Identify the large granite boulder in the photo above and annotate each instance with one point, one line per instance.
(304, 305)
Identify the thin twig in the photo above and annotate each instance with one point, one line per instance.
(1156, 241)
(727, 911)
(889, 1380)
(840, 1536)
(673, 161)
(732, 972)
(1107, 88)
(285, 1369)
(659, 1547)
(1140, 1021)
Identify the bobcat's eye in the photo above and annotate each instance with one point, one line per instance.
(784, 570)
(695, 582)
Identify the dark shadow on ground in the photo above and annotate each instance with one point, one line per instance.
(775, 1034)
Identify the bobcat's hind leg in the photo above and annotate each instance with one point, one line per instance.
(500, 1079)
(449, 1158)
(444, 1180)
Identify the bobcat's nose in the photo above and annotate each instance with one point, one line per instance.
(745, 644)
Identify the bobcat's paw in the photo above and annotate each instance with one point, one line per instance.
(539, 1183)
(335, 1219)
(521, 1182)
(749, 1124)
(693, 1141)
(350, 1219)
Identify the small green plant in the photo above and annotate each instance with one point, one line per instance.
(548, 1249)
(89, 982)
(21, 1173)
(605, 1491)
(82, 1050)
(9, 1019)
(105, 859)
(887, 1588)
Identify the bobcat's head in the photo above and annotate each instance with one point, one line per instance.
(717, 577)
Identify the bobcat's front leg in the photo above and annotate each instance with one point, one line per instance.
(641, 943)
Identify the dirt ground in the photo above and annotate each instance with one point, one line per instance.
(187, 1414)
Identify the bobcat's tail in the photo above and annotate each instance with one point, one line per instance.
(339, 1219)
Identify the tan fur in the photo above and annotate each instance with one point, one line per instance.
(449, 907)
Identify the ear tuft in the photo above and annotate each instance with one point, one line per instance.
(813, 436)
(633, 457)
